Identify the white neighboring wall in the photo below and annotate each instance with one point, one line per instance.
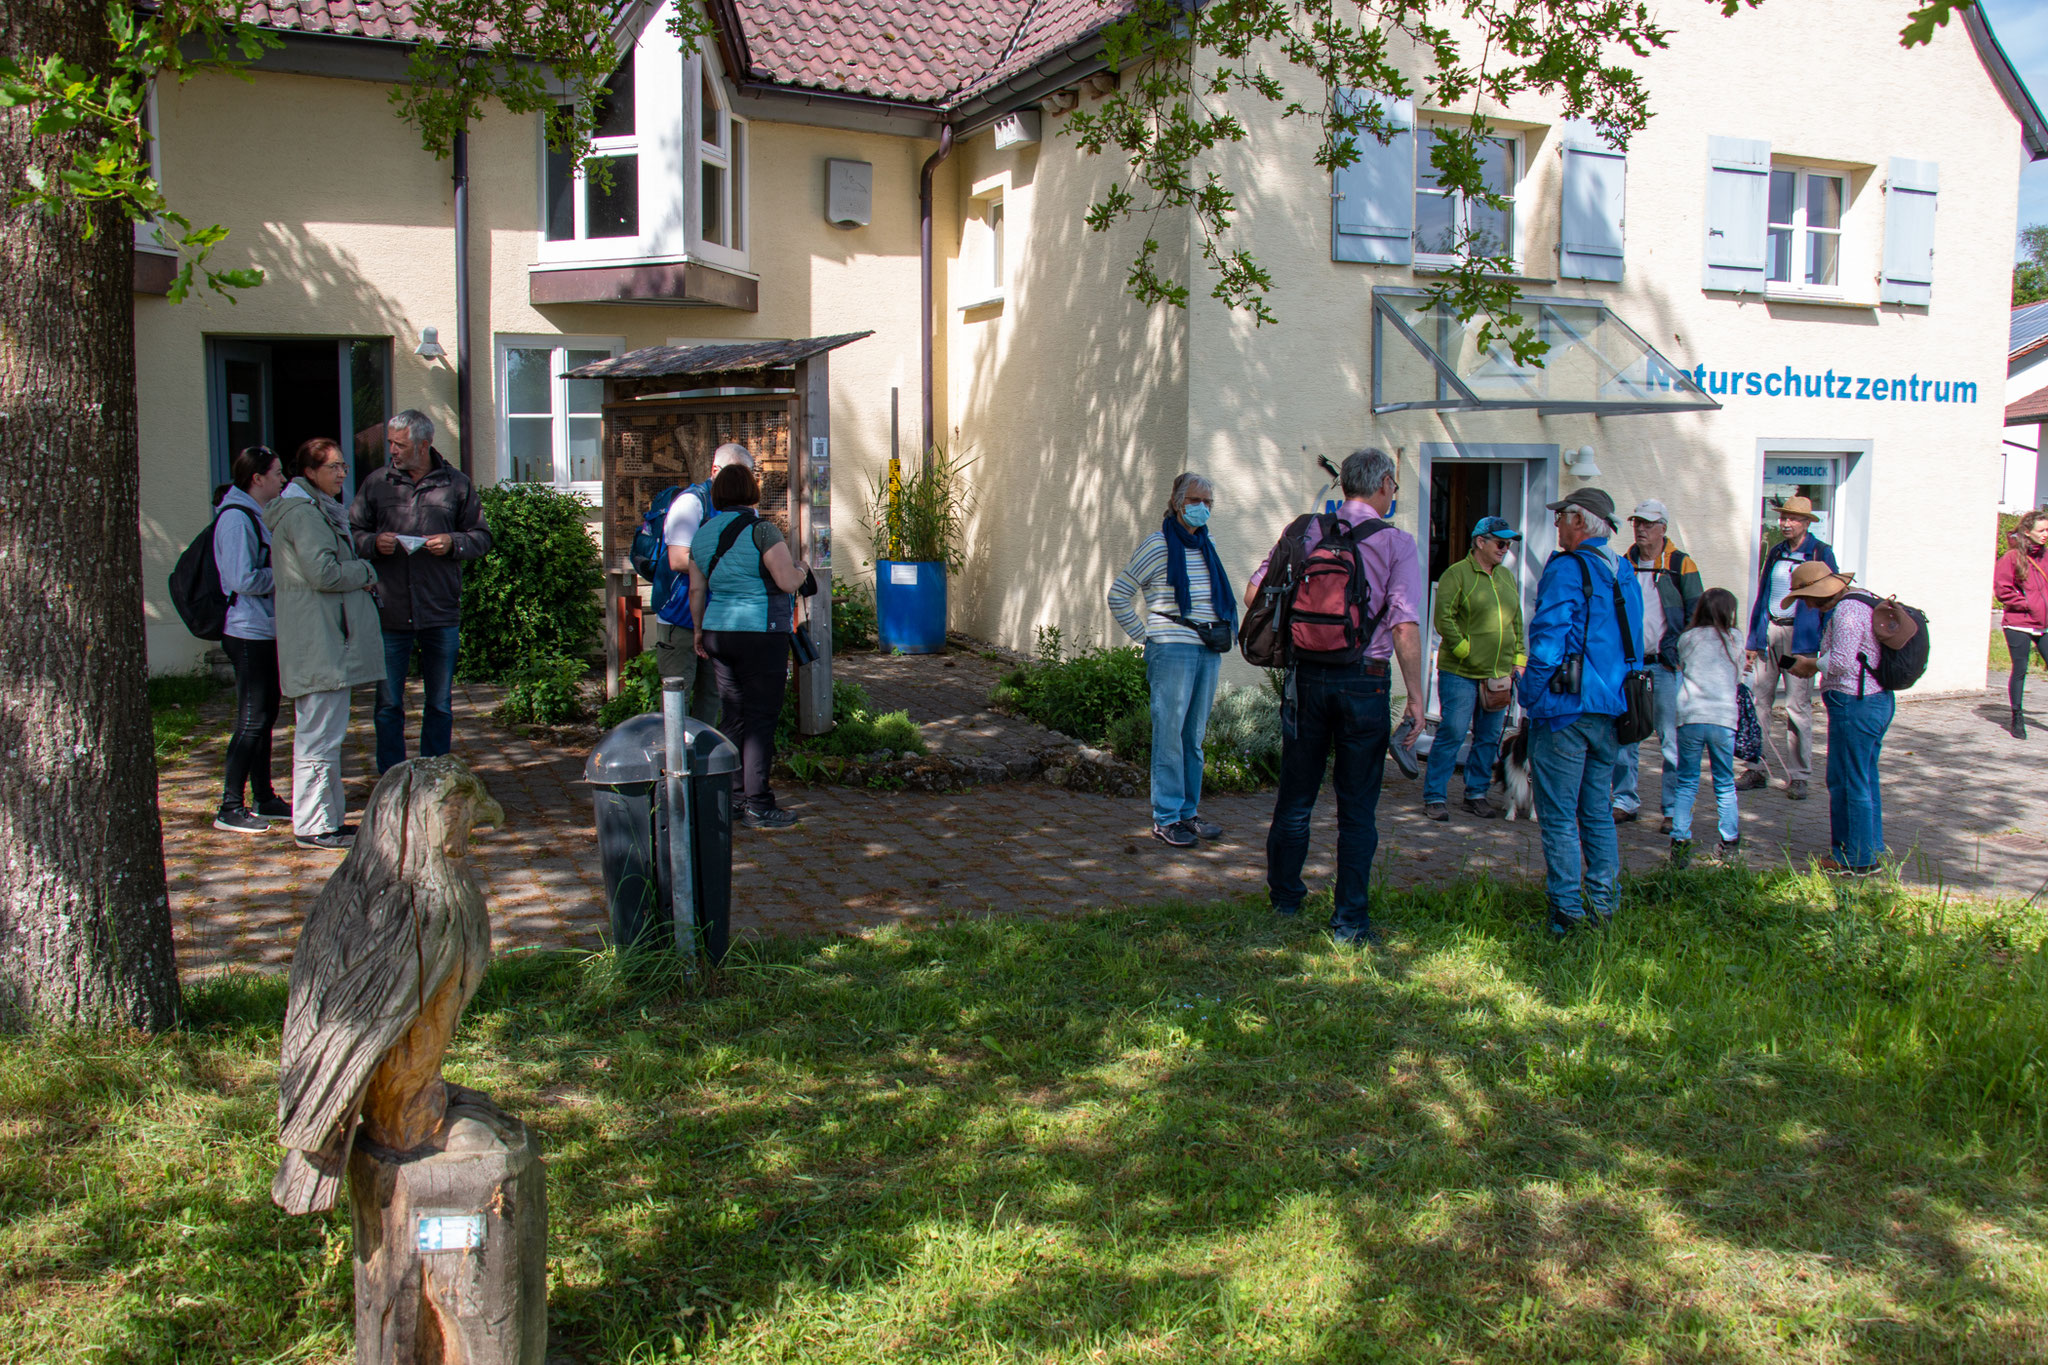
(2026, 462)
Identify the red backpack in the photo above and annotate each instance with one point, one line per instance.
(1314, 605)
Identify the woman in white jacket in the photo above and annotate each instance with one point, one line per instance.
(1710, 656)
(241, 554)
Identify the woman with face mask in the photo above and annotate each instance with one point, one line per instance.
(1188, 622)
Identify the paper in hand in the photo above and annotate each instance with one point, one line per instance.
(412, 544)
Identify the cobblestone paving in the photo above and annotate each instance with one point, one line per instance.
(1961, 795)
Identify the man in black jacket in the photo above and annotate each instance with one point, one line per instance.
(416, 520)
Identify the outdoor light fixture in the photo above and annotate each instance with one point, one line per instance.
(430, 344)
(1581, 464)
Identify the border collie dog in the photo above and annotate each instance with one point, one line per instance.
(1511, 771)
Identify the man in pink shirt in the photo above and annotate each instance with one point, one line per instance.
(1346, 708)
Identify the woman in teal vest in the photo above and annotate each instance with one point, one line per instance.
(742, 577)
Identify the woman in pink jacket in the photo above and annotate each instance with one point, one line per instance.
(2021, 584)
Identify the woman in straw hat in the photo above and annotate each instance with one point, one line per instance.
(1860, 710)
(1776, 630)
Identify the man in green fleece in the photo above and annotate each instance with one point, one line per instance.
(1479, 618)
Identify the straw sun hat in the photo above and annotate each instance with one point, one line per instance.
(1815, 581)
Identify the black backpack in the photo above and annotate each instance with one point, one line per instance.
(195, 582)
(1902, 642)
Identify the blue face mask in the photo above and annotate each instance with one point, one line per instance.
(1195, 514)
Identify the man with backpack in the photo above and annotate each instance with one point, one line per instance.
(1670, 586)
(1582, 648)
(1346, 592)
(661, 553)
(1869, 649)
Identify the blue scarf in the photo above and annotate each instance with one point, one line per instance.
(1179, 540)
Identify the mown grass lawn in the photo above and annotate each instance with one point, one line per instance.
(1765, 1118)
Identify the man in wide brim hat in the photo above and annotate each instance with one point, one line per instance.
(1781, 625)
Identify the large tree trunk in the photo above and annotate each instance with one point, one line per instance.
(85, 929)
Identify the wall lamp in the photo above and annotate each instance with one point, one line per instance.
(1580, 462)
(430, 344)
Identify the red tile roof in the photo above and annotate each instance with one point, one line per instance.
(390, 19)
(2032, 408)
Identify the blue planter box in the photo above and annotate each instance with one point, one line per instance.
(910, 606)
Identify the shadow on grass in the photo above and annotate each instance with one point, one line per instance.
(1764, 1118)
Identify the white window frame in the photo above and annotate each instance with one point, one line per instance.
(732, 156)
(591, 490)
(982, 274)
(580, 245)
(1425, 183)
(146, 228)
(1801, 233)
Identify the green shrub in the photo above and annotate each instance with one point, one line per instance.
(535, 595)
(857, 730)
(1240, 751)
(853, 616)
(1080, 696)
(639, 691)
(544, 689)
(1129, 736)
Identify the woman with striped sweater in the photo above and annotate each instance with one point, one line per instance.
(1186, 597)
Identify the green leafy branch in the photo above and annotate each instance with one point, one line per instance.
(113, 171)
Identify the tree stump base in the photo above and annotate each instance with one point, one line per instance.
(451, 1244)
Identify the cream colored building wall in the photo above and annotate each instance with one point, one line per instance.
(1259, 395)
(352, 224)
(1069, 398)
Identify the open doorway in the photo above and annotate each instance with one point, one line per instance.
(281, 391)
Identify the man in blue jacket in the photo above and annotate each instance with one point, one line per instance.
(1775, 632)
(1572, 743)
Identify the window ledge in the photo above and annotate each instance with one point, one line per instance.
(1450, 267)
(1818, 300)
(995, 300)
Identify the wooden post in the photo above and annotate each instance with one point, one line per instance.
(451, 1244)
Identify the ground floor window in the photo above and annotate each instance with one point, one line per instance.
(281, 391)
(550, 428)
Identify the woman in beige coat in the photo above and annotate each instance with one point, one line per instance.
(328, 638)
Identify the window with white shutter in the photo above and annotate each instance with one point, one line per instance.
(1590, 222)
(1909, 194)
(1372, 201)
(1738, 191)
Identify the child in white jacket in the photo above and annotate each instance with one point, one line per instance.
(1710, 656)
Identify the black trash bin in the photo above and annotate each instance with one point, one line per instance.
(626, 772)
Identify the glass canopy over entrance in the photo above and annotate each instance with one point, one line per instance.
(1423, 357)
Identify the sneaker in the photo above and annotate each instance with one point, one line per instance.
(333, 841)
(1368, 937)
(272, 808)
(1731, 850)
(1435, 810)
(1484, 809)
(1752, 779)
(1664, 825)
(1624, 817)
(773, 818)
(1681, 852)
(1175, 835)
(240, 820)
(1203, 829)
(1402, 747)
(1562, 925)
(1795, 790)
(1287, 910)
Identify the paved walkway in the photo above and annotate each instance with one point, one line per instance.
(1960, 793)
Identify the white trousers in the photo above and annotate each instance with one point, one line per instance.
(1798, 705)
(320, 725)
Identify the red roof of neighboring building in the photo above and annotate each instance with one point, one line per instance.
(389, 19)
(2032, 408)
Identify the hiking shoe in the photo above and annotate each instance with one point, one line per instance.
(1203, 829)
(773, 818)
(272, 808)
(333, 841)
(1402, 747)
(1287, 910)
(1681, 852)
(1562, 925)
(1731, 850)
(1436, 810)
(240, 820)
(1624, 817)
(1795, 790)
(1481, 807)
(1368, 937)
(1664, 825)
(1752, 779)
(1839, 869)
(1175, 835)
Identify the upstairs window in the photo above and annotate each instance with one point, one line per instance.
(602, 198)
(721, 155)
(1805, 228)
(1450, 226)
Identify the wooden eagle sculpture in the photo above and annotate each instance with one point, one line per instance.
(391, 952)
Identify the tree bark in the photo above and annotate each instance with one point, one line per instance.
(85, 929)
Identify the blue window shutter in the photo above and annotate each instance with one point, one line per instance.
(1738, 197)
(1372, 201)
(1909, 232)
(1589, 245)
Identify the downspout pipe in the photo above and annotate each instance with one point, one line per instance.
(462, 352)
(924, 211)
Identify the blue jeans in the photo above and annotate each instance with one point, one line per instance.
(1664, 692)
(1682, 786)
(1574, 772)
(1183, 682)
(437, 648)
(1345, 709)
(1458, 700)
(1856, 727)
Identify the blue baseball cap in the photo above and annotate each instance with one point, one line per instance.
(1497, 527)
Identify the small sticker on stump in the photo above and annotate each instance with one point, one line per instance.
(450, 1231)
(903, 575)
(819, 447)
